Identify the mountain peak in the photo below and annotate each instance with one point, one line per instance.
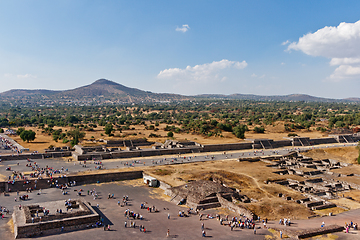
(104, 81)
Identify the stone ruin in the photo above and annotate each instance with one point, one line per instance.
(318, 190)
(304, 166)
(178, 144)
(46, 218)
(203, 194)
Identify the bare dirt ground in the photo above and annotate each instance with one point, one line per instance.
(347, 203)
(355, 194)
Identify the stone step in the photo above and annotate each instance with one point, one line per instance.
(325, 206)
(208, 205)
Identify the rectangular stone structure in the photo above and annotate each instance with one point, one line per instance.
(27, 223)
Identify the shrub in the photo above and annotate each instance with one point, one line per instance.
(153, 135)
(292, 135)
(259, 129)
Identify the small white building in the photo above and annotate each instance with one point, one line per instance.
(150, 181)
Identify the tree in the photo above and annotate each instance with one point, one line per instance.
(27, 135)
(108, 129)
(239, 131)
(72, 119)
(170, 134)
(259, 129)
(20, 130)
(76, 135)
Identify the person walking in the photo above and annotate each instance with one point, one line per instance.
(280, 234)
(168, 233)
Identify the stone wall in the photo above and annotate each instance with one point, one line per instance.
(134, 153)
(281, 143)
(35, 156)
(21, 157)
(235, 208)
(80, 179)
(105, 177)
(22, 230)
(307, 233)
(82, 210)
(225, 147)
(317, 141)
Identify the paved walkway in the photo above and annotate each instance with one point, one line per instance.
(339, 219)
(156, 224)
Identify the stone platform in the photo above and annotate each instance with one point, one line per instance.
(31, 221)
(301, 234)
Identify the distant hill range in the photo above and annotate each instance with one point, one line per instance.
(286, 98)
(104, 91)
(101, 91)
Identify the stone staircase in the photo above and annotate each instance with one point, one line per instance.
(304, 142)
(348, 139)
(266, 144)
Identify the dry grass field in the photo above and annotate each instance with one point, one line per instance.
(348, 154)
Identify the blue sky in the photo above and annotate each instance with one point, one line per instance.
(186, 47)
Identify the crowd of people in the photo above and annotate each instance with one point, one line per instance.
(130, 214)
(350, 225)
(3, 211)
(7, 144)
(285, 221)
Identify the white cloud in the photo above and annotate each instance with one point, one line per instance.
(285, 43)
(203, 78)
(26, 76)
(344, 61)
(256, 76)
(19, 76)
(340, 44)
(183, 29)
(204, 73)
(223, 79)
(345, 71)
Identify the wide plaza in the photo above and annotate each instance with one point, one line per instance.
(155, 223)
